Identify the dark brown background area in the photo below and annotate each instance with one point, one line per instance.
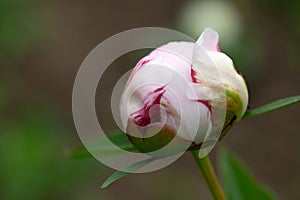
(42, 46)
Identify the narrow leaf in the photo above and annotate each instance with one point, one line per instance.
(238, 182)
(119, 139)
(272, 106)
(120, 174)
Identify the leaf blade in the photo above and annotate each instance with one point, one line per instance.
(127, 170)
(238, 181)
(118, 138)
(272, 106)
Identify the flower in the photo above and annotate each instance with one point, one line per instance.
(179, 89)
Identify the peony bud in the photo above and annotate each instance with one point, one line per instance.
(163, 86)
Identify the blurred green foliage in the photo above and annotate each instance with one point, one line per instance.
(33, 136)
(20, 26)
(33, 165)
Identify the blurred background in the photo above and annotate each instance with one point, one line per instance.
(42, 44)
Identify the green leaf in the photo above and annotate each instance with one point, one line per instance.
(119, 139)
(124, 143)
(272, 106)
(120, 174)
(238, 182)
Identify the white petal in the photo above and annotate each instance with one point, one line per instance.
(195, 91)
(209, 40)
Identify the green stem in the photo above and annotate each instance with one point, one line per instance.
(209, 174)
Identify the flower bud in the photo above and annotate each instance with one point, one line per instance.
(166, 93)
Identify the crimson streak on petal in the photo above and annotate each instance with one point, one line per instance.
(142, 116)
